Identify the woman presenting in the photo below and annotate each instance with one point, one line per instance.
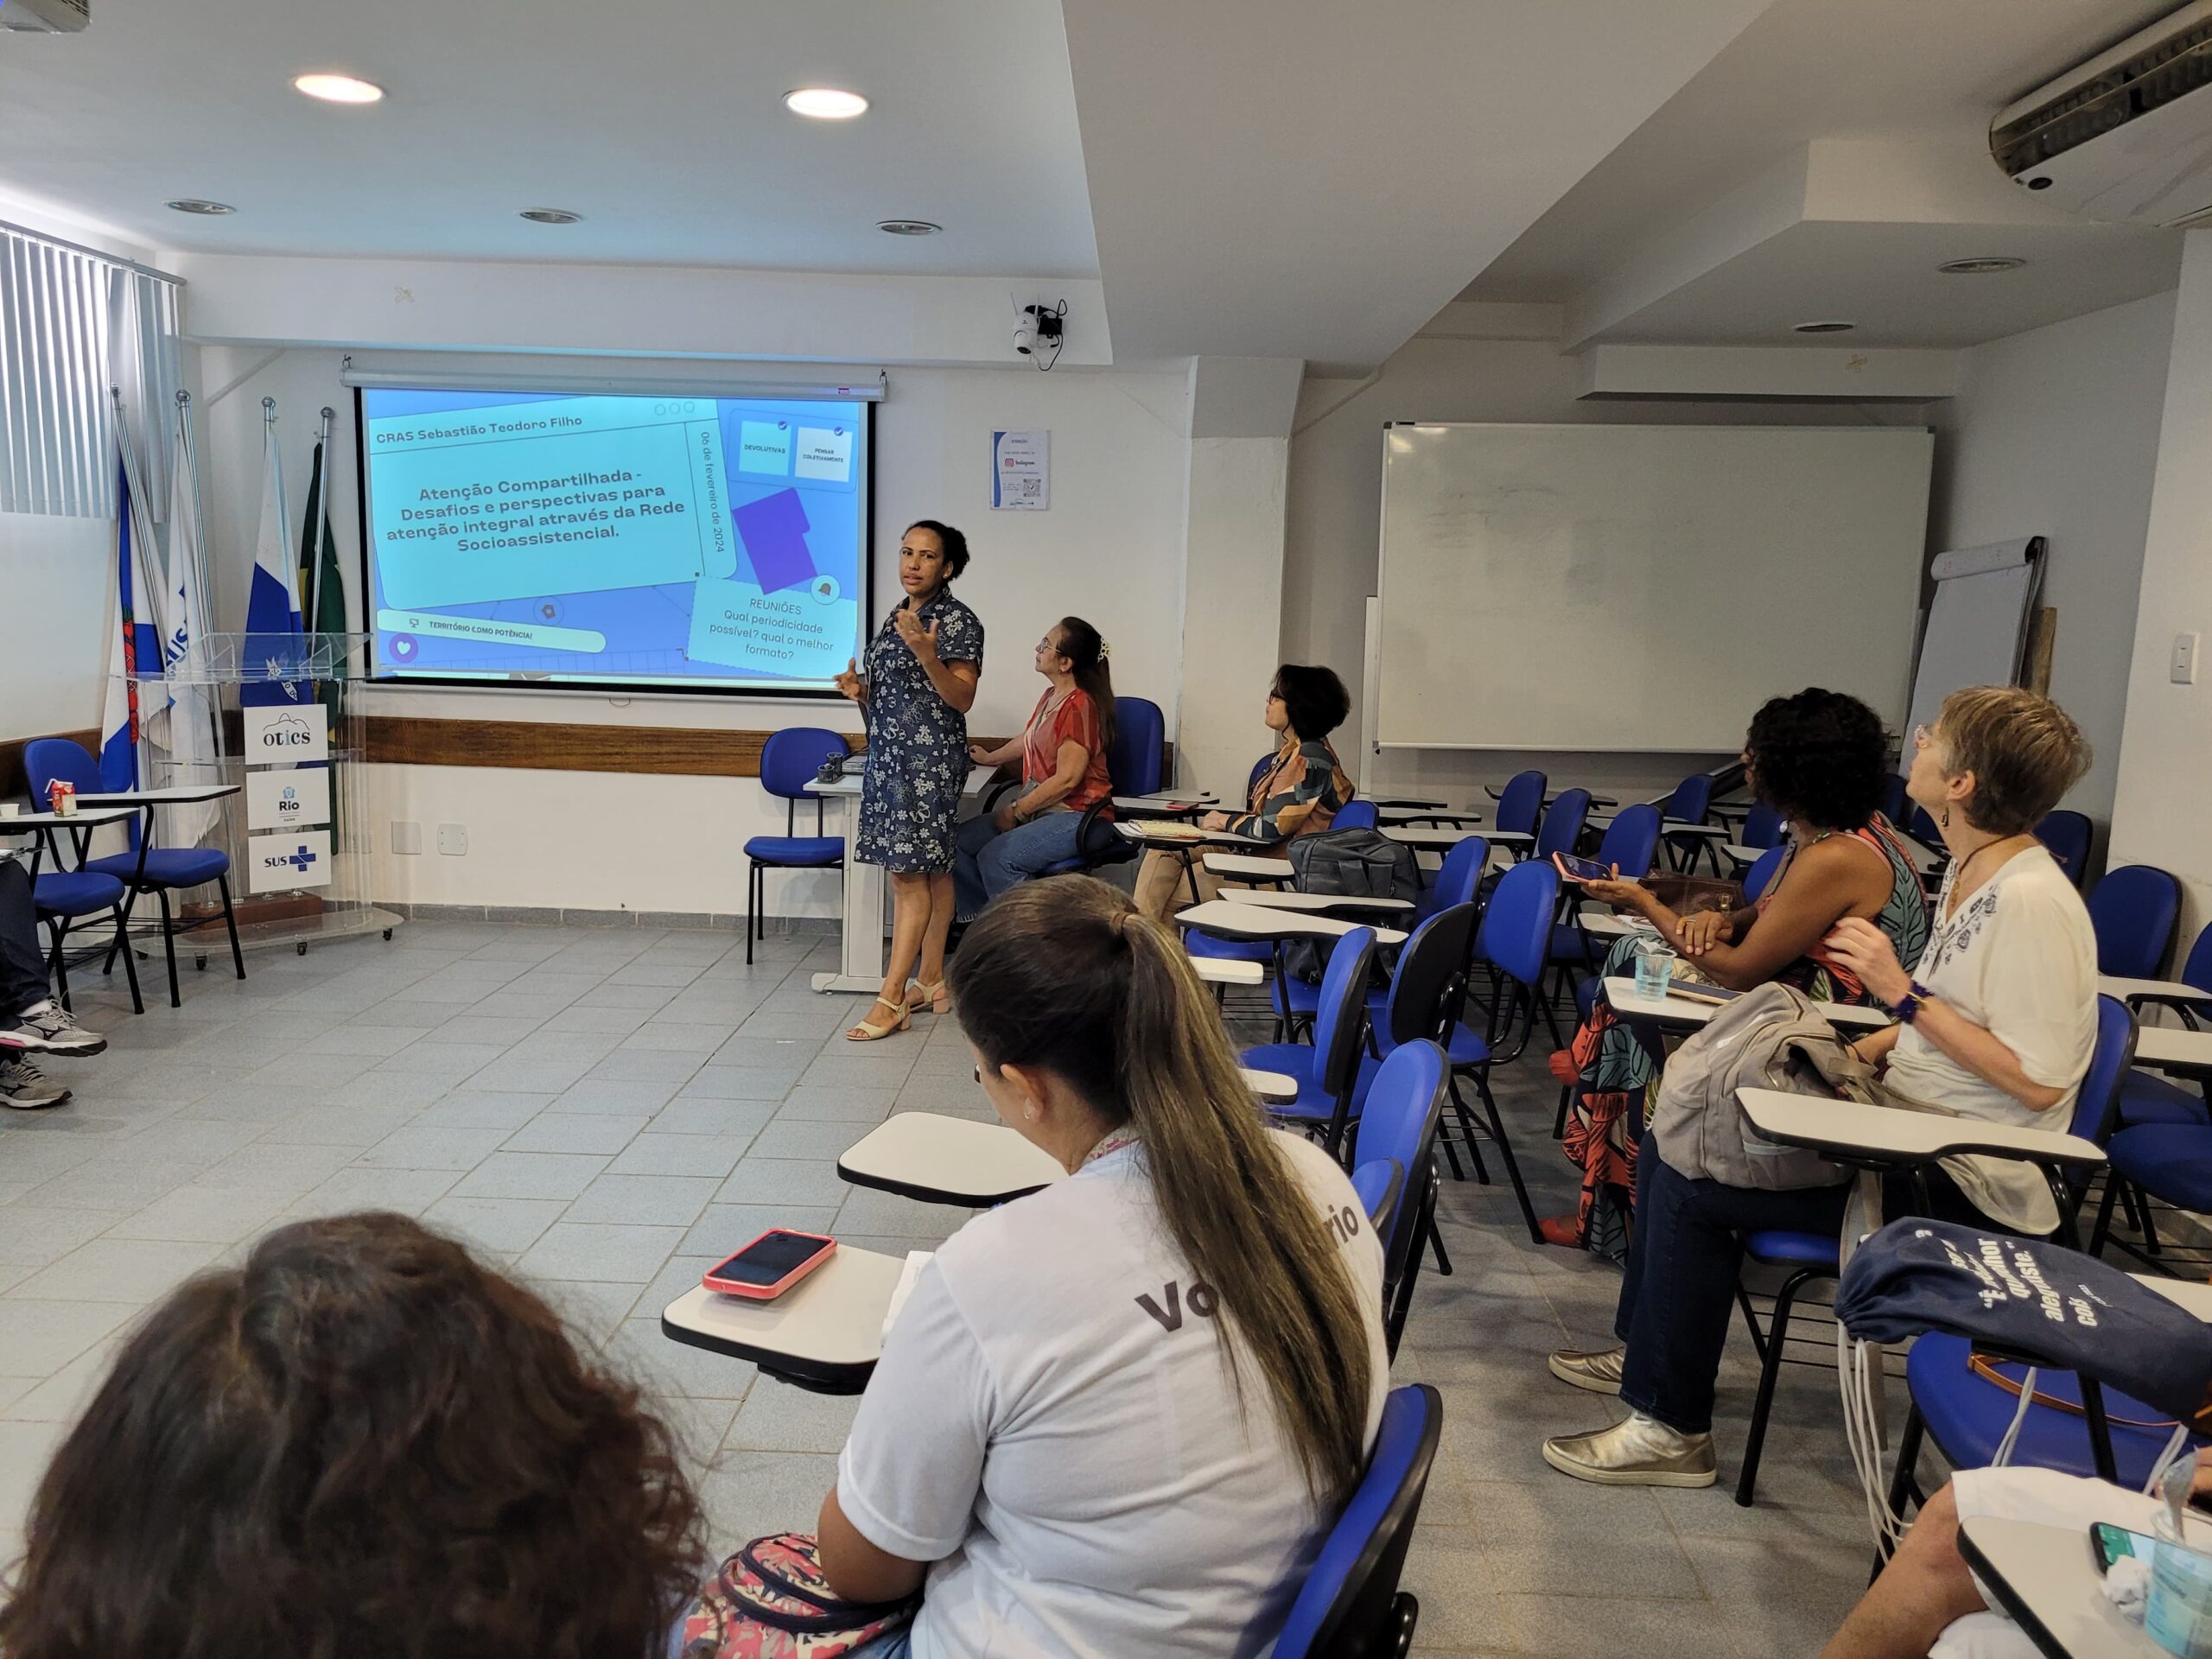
(922, 669)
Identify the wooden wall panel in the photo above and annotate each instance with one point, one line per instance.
(12, 781)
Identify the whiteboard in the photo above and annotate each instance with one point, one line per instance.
(1978, 625)
(1641, 587)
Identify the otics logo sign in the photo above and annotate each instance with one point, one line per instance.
(287, 731)
(279, 736)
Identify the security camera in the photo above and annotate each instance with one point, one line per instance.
(1024, 332)
(1040, 331)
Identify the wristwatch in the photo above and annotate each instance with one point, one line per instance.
(1907, 1007)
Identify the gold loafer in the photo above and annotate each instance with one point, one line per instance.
(1639, 1451)
(1596, 1370)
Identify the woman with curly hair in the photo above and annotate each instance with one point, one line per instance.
(1817, 757)
(361, 1443)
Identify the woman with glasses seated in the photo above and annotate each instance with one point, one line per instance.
(1997, 1022)
(1298, 791)
(1819, 758)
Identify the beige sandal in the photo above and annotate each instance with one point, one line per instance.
(934, 999)
(869, 1032)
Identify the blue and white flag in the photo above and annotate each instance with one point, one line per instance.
(184, 722)
(274, 644)
(130, 643)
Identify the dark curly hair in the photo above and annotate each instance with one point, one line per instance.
(362, 1444)
(1819, 756)
(1314, 697)
(952, 541)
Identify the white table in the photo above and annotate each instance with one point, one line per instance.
(1409, 814)
(942, 1159)
(1671, 1010)
(1243, 921)
(2044, 1578)
(1186, 844)
(860, 969)
(1243, 866)
(2136, 992)
(1312, 903)
(1551, 795)
(1165, 806)
(1272, 1087)
(1223, 970)
(1428, 841)
(824, 1333)
(1849, 1129)
(2189, 1052)
(1600, 922)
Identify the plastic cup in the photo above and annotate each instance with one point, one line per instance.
(1655, 971)
(2177, 1614)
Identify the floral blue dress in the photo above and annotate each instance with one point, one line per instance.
(917, 744)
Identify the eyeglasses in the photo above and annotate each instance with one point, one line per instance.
(1923, 736)
(1274, 696)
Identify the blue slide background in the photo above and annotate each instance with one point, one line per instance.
(811, 453)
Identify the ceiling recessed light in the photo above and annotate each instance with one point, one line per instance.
(339, 89)
(1984, 265)
(1825, 327)
(193, 205)
(550, 216)
(825, 104)
(908, 227)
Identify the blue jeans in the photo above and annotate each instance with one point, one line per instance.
(893, 1644)
(985, 863)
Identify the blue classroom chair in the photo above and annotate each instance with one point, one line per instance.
(163, 871)
(1351, 1606)
(1132, 766)
(2068, 835)
(1631, 843)
(60, 897)
(1807, 1257)
(1328, 1070)
(789, 760)
(1521, 803)
(1762, 872)
(2135, 910)
(1762, 827)
(1355, 815)
(1398, 1125)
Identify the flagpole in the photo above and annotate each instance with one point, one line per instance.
(322, 512)
(189, 457)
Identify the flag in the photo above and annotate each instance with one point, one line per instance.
(185, 725)
(272, 655)
(129, 642)
(322, 591)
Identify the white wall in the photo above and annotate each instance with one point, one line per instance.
(1336, 481)
(2055, 432)
(2162, 804)
(55, 583)
(1109, 550)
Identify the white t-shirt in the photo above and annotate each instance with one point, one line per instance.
(1053, 1426)
(2019, 958)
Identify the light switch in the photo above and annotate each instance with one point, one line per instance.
(2181, 668)
(406, 838)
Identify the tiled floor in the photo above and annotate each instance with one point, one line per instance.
(606, 1110)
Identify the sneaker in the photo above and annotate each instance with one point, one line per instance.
(49, 1028)
(1597, 1370)
(1640, 1451)
(27, 1089)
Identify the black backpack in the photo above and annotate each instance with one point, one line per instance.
(1362, 864)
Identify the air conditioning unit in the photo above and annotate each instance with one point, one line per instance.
(2127, 137)
(45, 16)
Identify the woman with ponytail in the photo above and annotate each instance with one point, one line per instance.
(1117, 1416)
(1063, 756)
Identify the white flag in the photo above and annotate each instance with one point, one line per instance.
(186, 726)
(272, 607)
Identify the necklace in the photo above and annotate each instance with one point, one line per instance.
(1959, 878)
(1114, 1142)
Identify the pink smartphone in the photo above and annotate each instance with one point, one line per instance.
(770, 1265)
(1580, 869)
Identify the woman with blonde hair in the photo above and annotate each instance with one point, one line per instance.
(1116, 1416)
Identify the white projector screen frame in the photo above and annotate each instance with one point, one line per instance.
(1641, 588)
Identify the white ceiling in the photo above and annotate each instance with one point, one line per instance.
(1924, 77)
(1316, 178)
(661, 121)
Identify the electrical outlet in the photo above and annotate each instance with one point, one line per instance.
(2180, 667)
(453, 840)
(406, 839)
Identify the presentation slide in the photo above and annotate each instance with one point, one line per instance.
(686, 542)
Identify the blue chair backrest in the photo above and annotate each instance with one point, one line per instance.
(1631, 841)
(1345, 1602)
(1376, 1184)
(1260, 769)
(2197, 970)
(1563, 821)
(1762, 872)
(1691, 797)
(1132, 761)
(1339, 1019)
(1517, 930)
(1421, 980)
(1354, 815)
(2096, 1109)
(60, 759)
(1520, 802)
(1923, 830)
(1762, 825)
(1893, 798)
(2134, 910)
(2067, 835)
(1405, 1102)
(789, 758)
(1461, 878)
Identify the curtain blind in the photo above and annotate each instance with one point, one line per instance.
(71, 325)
